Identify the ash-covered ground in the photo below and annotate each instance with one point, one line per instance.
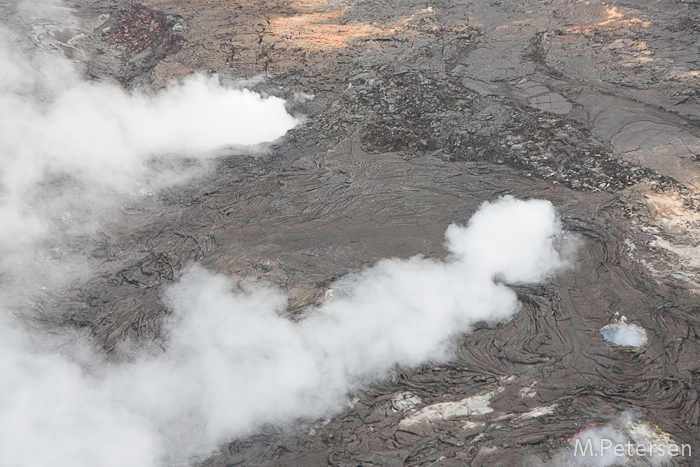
(414, 114)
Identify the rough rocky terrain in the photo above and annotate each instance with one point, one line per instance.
(415, 113)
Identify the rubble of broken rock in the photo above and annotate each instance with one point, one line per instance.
(413, 113)
(413, 117)
(137, 28)
(132, 41)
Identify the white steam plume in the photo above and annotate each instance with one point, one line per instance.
(599, 439)
(622, 333)
(233, 362)
(69, 147)
(52, 413)
(625, 440)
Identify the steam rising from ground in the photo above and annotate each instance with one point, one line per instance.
(69, 148)
(65, 141)
(622, 333)
(233, 362)
(69, 151)
(625, 440)
(598, 457)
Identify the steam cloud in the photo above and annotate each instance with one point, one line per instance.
(64, 140)
(234, 363)
(599, 457)
(595, 446)
(622, 333)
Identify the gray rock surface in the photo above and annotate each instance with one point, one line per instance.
(419, 113)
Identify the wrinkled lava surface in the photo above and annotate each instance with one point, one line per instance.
(420, 112)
